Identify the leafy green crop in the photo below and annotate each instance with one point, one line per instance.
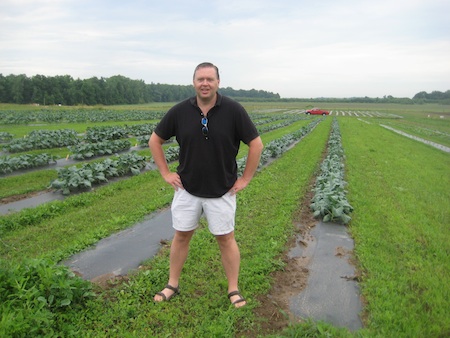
(73, 178)
(73, 115)
(43, 139)
(330, 201)
(33, 293)
(9, 164)
(277, 147)
(172, 153)
(140, 129)
(88, 150)
(5, 137)
(142, 140)
(103, 133)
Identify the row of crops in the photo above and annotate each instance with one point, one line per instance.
(329, 202)
(47, 139)
(10, 164)
(96, 141)
(75, 116)
(364, 114)
(330, 197)
(75, 178)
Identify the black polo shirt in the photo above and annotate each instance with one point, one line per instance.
(207, 166)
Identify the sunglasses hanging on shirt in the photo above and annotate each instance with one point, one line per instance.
(205, 127)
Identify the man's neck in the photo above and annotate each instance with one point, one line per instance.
(206, 105)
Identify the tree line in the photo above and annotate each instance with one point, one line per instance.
(65, 90)
(419, 98)
(434, 96)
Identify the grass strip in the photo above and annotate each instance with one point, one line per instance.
(438, 133)
(400, 195)
(26, 183)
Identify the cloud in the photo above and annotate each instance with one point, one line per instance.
(295, 48)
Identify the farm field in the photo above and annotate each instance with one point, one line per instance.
(398, 188)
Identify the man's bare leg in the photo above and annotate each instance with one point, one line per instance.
(231, 259)
(178, 255)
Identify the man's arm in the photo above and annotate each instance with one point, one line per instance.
(255, 148)
(155, 144)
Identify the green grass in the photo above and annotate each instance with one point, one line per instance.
(434, 130)
(397, 186)
(26, 183)
(261, 232)
(401, 195)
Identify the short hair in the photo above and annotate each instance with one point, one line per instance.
(207, 65)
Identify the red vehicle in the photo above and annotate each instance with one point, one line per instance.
(317, 111)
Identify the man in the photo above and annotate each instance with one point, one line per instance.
(208, 128)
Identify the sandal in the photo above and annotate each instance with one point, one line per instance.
(240, 300)
(176, 291)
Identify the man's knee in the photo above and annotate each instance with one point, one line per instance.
(183, 236)
(227, 239)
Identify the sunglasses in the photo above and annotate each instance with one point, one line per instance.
(205, 127)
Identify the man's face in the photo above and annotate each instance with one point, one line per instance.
(206, 83)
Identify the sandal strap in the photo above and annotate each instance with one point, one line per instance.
(238, 301)
(162, 295)
(174, 289)
(234, 293)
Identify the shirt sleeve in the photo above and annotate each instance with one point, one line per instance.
(245, 126)
(166, 127)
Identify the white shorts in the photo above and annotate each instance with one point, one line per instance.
(187, 210)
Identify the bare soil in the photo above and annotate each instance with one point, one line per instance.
(20, 197)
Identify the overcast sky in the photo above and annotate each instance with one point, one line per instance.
(297, 48)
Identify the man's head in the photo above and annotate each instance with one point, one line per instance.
(207, 65)
(206, 81)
